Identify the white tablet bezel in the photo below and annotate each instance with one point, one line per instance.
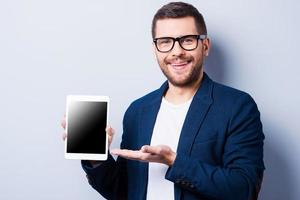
(86, 156)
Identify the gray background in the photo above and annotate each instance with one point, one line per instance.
(49, 49)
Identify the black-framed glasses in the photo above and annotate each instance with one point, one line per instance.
(187, 42)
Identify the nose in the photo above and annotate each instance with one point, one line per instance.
(177, 49)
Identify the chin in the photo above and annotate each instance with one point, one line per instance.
(179, 83)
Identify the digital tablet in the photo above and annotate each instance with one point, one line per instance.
(86, 121)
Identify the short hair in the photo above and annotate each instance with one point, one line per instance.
(179, 10)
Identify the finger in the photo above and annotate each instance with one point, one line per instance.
(144, 148)
(64, 136)
(63, 123)
(123, 152)
(138, 155)
(152, 149)
(129, 154)
(110, 131)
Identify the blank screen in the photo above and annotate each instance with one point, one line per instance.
(86, 127)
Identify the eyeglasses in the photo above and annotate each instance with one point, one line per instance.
(187, 42)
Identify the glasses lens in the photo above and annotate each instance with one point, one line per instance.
(189, 42)
(164, 44)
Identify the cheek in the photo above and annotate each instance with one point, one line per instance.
(198, 56)
(160, 58)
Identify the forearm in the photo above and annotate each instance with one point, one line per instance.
(102, 176)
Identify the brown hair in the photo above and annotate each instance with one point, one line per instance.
(179, 10)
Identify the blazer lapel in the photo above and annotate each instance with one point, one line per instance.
(193, 120)
(195, 115)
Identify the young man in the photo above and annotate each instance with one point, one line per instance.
(192, 138)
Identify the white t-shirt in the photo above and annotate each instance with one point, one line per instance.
(167, 128)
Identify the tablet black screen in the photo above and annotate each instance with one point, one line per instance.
(86, 127)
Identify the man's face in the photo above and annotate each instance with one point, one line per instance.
(182, 68)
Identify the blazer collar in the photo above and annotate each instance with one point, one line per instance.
(203, 93)
(195, 115)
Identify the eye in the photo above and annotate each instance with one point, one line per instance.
(188, 40)
(164, 41)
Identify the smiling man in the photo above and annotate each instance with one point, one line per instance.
(190, 139)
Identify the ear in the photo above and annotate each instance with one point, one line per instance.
(206, 46)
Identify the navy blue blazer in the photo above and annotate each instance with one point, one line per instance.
(219, 154)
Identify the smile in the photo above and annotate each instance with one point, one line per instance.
(180, 66)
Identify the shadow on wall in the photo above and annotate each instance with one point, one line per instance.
(216, 63)
(277, 183)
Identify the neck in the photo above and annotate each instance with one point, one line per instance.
(181, 94)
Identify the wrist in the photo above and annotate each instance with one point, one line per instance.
(94, 163)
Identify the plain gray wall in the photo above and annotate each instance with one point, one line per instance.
(49, 49)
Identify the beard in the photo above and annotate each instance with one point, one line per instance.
(188, 78)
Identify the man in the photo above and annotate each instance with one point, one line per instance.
(192, 138)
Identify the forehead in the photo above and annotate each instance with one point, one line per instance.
(175, 27)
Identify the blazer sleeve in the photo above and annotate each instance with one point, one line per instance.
(110, 177)
(240, 175)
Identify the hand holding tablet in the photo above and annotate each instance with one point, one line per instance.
(85, 125)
